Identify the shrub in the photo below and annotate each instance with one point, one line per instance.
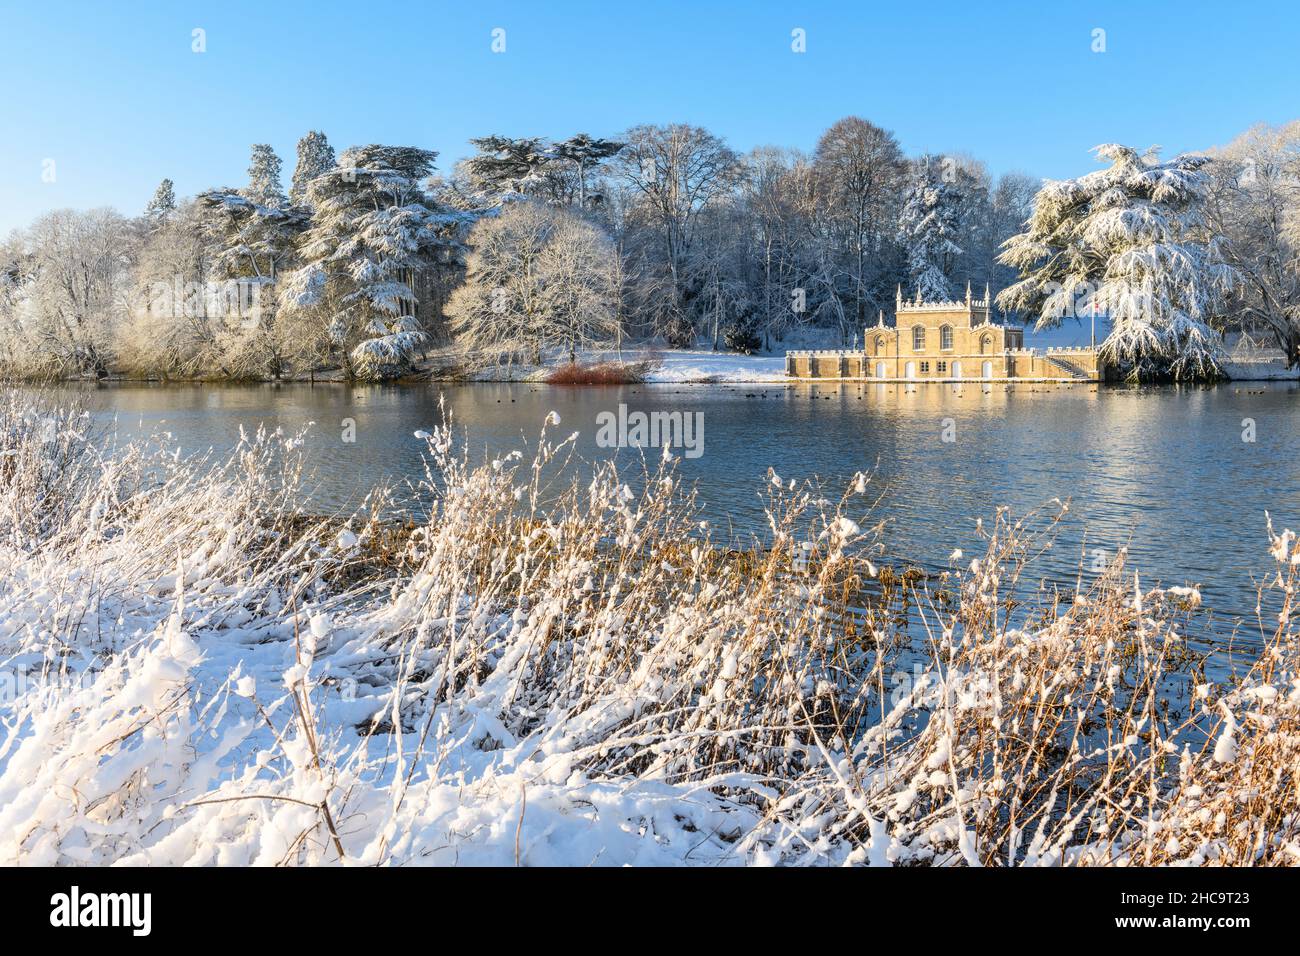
(604, 373)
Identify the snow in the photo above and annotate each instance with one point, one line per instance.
(679, 366)
(228, 687)
(720, 367)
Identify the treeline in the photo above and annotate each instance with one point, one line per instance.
(371, 258)
(534, 248)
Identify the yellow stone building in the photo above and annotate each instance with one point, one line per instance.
(946, 342)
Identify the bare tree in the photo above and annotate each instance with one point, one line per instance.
(862, 174)
(75, 288)
(168, 331)
(1255, 205)
(678, 171)
(537, 277)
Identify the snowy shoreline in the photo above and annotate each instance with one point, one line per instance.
(197, 672)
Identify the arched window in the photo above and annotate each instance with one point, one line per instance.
(880, 345)
(918, 338)
(945, 337)
(985, 342)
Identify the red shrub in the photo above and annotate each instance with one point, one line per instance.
(605, 373)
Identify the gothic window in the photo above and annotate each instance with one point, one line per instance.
(945, 337)
(918, 338)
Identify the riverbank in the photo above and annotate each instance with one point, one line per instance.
(654, 366)
(662, 366)
(199, 673)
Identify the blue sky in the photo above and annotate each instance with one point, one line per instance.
(114, 95)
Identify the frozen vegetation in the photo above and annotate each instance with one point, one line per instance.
(376, 264)
(198, 672)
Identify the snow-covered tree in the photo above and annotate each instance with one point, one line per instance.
(504, 165)
(1255, 205)
(537, 277)
(373, 230)
(586, 154)
(315, 156)
(169, 331)
(67, 289)
(163, 203)
(1010, 203)
(861, 175)
(1131, 242)
(928, 228)
(249, 244)
(775, 188)
(264, 186)
(677, 173)
(249, 239)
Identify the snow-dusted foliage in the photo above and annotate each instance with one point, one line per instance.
(251, 237)
(373, 228)
(928, 229)
(710, 246)
(586, 154)
(536, 278)
(315, 156)
(197, 672)
(506, 165)
(65, 283)
(264, 187)
(1255, 206)
(1130, 242)
(163, 203)
(534, 166)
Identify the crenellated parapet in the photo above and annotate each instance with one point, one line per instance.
(948, 341)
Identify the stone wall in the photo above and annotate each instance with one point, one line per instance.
(1009, 364)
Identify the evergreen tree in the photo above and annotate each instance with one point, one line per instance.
(315, 156)
(1129, 242)
(504, 165)
(251, 243)
(264, 186)
(586, 153)
(163, 203)
(373, 230)
(928, 229)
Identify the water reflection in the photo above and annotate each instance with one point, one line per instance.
(1163, 471)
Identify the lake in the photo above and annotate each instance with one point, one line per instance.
(1181, 476)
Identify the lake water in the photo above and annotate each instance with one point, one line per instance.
(1163, 471)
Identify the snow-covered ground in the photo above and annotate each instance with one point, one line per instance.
(723, 367)
(663, 365)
